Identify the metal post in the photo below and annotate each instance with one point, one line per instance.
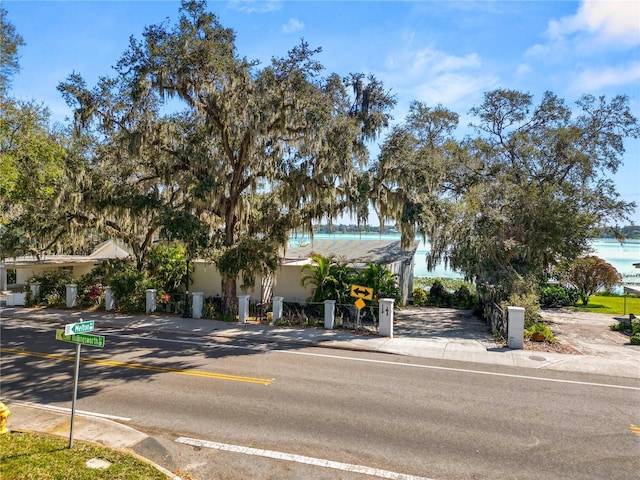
(75, 394)
(187, 310)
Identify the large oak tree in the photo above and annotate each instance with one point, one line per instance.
(249, 152)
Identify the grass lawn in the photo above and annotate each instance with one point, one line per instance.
(611, 305)
(31, 456)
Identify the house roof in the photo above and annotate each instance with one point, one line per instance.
(355, 251)
(103, 251)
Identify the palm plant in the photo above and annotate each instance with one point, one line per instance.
(330, 278)
(381, 280)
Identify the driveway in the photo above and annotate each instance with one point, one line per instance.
(589, 333)
(441, 323)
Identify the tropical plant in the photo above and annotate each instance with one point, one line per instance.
(381, 280)
(166, 267)
(330, 278)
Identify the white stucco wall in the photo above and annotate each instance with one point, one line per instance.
(207, 279)
(288, 285)
(23, 273)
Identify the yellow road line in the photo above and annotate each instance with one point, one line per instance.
(139, 366)
(634, 429)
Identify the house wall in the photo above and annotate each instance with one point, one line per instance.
(287, 284)
(207, 279)
(23, 273)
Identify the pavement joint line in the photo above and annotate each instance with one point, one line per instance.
(317, 462)
(463, 370)
(82, 413)
(139, 366)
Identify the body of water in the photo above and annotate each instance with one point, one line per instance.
(621, 255)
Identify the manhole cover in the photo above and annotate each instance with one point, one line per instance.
(98, 464)
(537, 358)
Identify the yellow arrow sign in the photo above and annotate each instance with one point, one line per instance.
(359, 291)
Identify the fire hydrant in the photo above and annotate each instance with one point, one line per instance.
(4, 415)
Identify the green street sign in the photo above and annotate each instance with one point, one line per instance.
(80, 327)
(81, 339)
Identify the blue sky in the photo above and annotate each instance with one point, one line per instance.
(439, 52)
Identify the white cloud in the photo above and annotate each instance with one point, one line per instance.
(255, 6)
(293, 25)
(523, 69)
(610, 21)
(434, 77)
(596, 80)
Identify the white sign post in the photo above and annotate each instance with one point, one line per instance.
(73, 333)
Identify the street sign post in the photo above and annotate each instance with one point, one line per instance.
(362, 294)
(80, 327)
(79, 339)
(359, 291)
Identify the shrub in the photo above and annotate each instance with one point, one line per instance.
(463, 297)
(439, 296)
(419, 297)
(52, 287)
(89, 295)
(541, 328)
(558, 296)
(129, 290)
(530, 303)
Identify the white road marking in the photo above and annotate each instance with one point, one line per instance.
(355, 359)
(68, 410)
(462, 370)
(318, 462)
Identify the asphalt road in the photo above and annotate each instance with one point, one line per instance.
(433, 419)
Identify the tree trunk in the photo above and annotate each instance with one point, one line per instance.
(229, 296)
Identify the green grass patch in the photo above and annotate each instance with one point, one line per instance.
(32, 456)
(610, 305)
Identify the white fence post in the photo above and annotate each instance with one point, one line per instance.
(109, 299)
(277, 308)
(516, 327)
(386, 317)
(151, 300)
(35, 290)
(243, 308)
(198, 300)
(329, 314)
(72, 293)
